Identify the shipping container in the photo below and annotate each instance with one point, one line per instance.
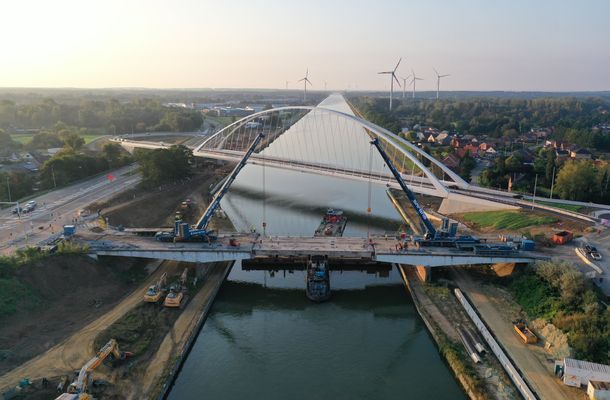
(562, 237)
(527, 244)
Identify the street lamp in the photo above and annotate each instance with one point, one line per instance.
(8, 186)
(53, 175)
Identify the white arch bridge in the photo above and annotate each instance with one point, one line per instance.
(330, 140)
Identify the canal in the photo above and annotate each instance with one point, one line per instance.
(264, 340)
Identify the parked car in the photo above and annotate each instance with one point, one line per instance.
(592, 252)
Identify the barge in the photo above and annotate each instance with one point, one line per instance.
(333, 223)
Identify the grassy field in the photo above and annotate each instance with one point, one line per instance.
(27, 137)
(569, 207)
(510, 220)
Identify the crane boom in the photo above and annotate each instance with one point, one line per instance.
(209, 212)
(431, 230)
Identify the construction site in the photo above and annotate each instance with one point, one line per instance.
(98, 329)
(130, 342)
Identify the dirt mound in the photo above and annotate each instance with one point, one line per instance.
(68, 275)
(69, 291)
(555, 341)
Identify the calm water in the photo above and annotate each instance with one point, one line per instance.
(263, 338)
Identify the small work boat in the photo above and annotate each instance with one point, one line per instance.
(317, 280)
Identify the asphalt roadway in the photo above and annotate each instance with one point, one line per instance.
(59, 207)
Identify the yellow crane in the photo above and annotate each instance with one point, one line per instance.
(78, 389)
(155, 292)
(175, 295)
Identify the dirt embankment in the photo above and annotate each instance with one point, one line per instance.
(152, 208)
(69, 291)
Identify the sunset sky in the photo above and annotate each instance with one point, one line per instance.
(484, 45)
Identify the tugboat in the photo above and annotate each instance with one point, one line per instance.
(317, 280)
(333, 223)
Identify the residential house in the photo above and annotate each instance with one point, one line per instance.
(561, 155)
(581, 154)
(443, 139)
(452, 161)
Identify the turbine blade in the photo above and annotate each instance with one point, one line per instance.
(397, 64)
(442, 76)
(396, 79)
(437, 74)
(385, 72)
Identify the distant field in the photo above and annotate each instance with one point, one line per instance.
(510, 220)
(569, 207)
(222, 121)
(26, 138)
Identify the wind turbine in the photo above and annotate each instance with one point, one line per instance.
(286, 85)
(438, 81)
(325, 83)
(392, 79)
(404, 85)
(415, 78)
(305, 81)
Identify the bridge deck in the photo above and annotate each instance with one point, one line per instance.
(379, 249)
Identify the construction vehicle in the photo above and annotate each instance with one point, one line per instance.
(78, 389)
(524, 332)
(155, 292)
(174, 297)
(176, 292)
(183, 232)
(445, 237)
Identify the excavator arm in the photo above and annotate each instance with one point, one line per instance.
(80, 385)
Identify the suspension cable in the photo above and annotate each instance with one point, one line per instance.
(370, 193)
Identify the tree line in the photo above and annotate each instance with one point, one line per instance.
(107, 116)
(580, 180)
(572, 118)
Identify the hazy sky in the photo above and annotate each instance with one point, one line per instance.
(484, 44)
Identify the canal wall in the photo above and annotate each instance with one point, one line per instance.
(507, 364)
(442, 336)
(177, 360)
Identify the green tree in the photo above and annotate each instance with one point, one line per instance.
(164, 165)
(467, 164)
(71, 140)
(112, 153)
(7, 144)
(577, 180)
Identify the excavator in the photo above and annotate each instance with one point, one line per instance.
(183, 232)
(175, 295)
(155, 292)
(78, 389)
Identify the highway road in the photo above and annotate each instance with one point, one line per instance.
(60, 207)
